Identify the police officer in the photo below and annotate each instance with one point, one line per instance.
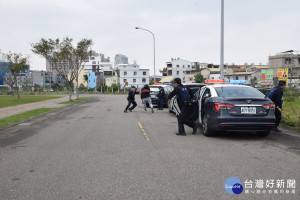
(161, 98)
(277, 99)
(131, 99)
(184, 95)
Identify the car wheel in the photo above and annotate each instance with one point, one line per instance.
(205, 129)
(262, 133)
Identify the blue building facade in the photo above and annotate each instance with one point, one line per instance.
(92, 80)
(4, 65)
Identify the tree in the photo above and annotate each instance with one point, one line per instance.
(8, 79)
(27, 82)
(199, 78)
(86, 78)
(82, 87)
(55, 86)
(81, 54)
(64, 57)
(14, 65)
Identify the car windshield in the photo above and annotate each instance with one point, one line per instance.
(238, 92)
(154, 89)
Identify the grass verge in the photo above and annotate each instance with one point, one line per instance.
(74, 100)
(13, 100)
(291, 115)
(22, 116)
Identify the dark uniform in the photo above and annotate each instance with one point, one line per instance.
(277, 99)
(161, 98)
(184, 95)
(131, 100)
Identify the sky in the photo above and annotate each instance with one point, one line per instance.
(186, 29)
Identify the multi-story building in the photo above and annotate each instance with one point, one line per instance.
(44, 78)
(133, 75)
(286, 60)
(110, 76)
(256, 68)
(121, 59)
(100, 66)
(235, 68)
(190, 75)
(92, 80)
(242, 77)
(22, 77)
(198, 65)
(96, 62)
(178, 67)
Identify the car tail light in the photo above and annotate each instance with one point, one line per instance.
(269, 106)
(229, 106)
(222, 106)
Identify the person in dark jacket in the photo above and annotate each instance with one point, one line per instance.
(145, 96)
(184, 95)
(131, 99)
(277, 100)
(161, 98)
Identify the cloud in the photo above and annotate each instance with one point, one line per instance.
(187, 29)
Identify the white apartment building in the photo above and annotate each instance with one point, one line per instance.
(178, 67)
(133, 75)
(94, 64)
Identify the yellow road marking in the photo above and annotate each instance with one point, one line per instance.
(143, 130)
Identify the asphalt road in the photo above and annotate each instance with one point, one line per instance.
(93, 150)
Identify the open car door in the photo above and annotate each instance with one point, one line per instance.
(201, 92)
(176, 106)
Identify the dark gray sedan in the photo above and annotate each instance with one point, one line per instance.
(235, 107)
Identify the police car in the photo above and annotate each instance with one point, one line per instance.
(173, 104)
(235, 107)
(154, 90)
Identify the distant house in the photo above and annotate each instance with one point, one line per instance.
(190, 75)
(241, 77)
(178, 67)
(132, 75)
(92, 80)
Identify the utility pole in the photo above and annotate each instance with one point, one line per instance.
(222, 41)
(292, 64)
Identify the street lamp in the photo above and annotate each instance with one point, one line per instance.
(222, 41)
(153, 48)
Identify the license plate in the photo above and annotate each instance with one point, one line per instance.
(248, 110)
(152, 96)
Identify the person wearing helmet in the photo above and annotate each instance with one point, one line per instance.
(184, 95)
